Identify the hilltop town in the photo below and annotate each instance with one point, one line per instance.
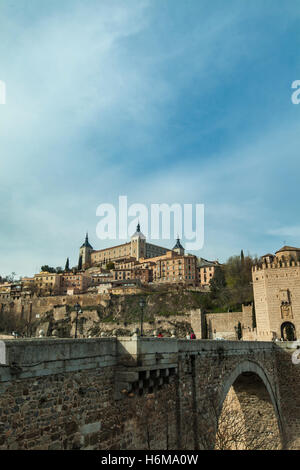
(130, 265)
(176, 288)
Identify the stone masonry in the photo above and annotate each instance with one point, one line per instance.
(140, 393)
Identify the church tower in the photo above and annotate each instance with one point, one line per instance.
(85, 254)
(138, 244)
(178, 248)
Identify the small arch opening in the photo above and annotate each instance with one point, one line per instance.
(288, 331)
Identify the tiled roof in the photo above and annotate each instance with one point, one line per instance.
(288, 248)
(204, 262)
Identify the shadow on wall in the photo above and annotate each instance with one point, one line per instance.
(248, 419)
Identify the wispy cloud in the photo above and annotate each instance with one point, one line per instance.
(181, 103)
(292, 232)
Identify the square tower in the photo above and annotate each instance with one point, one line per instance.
(276, 288)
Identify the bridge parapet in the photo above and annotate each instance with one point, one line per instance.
(40, 357)
(202, 346)
(46, 356)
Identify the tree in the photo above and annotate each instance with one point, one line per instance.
(80, 263)
(218, 282)
(245, 421)
(238, 275)
(67, 266)
(234, 434)
(47, 269)
(110, 265)
(231, 285)
(9, 277)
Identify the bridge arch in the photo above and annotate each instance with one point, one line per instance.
(248, 391)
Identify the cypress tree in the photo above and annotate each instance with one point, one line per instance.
(67, 267)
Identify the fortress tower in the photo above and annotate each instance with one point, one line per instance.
(276, 287)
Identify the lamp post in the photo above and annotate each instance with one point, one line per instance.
(78, 311)
(142, 305)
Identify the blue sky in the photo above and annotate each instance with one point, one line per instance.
(164, 101)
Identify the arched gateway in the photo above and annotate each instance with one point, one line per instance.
(288, 331)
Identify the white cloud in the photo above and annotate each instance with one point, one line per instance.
(290, 231)
(92, 96)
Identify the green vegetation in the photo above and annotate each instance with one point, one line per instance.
(67, 266)
(49, 269)
(8, 278)
(231, 285)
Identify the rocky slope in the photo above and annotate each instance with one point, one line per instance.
(165, 310)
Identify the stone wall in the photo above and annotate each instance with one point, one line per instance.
(224, 325)
(289, 400)
(62, 395)
(134, 393)
(28, 307)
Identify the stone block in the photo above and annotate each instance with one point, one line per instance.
(90, 428)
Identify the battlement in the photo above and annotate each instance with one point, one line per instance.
(276, 265)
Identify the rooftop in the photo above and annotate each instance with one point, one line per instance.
(86, 243)
(178, 245)
(204, 262)
(288, 248)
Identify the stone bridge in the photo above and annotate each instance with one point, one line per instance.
(147, 393)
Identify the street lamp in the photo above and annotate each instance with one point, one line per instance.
(142, 305)
(78, 311)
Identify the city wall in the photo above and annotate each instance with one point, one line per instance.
(224, 325)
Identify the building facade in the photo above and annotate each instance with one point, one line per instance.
(74, 282)
(175, 268)
(206, 271)
(142, 261)
(47, 283)
(137, 248)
